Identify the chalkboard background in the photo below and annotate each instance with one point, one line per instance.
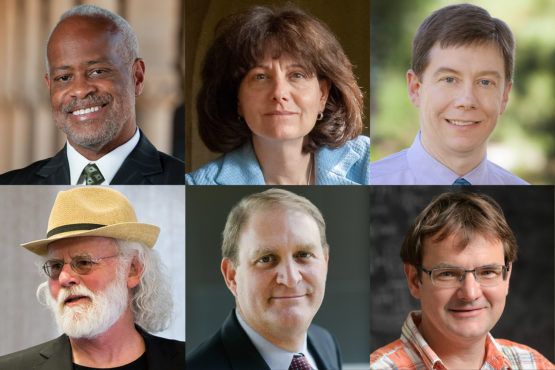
(529, 311)
(346, 306)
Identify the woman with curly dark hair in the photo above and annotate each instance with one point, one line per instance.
(280, 100)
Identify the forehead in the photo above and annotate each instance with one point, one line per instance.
(80, 37)
(468, 58)
(481, 249)
(278, 228)
(92, 245)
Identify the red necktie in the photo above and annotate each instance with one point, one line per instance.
(299, 363)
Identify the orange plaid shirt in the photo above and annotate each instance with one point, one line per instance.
(412, 352)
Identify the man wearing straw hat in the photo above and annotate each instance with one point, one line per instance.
(105, 288)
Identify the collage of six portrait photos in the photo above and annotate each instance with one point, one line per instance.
(424, 131)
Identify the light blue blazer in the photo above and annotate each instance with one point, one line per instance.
(348, 165)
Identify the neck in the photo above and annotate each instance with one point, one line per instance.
(284, 163)
(118, 346)
(95, 152)
(460, 163)
(456, 353)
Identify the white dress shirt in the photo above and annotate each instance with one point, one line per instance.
(275, 357)
(108, 165)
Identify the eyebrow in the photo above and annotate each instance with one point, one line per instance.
(445, 265)
(442, 70)
(265, 250)
(87, 63)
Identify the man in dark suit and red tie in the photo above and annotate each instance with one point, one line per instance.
(275, 263)
(94, 73)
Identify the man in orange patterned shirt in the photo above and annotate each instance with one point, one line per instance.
(458, 256)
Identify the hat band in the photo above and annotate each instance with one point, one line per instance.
(72, 227)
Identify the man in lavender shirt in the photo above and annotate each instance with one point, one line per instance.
(460, 79)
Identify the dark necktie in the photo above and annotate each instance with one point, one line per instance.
(92, 175)
(299, 362)
(461, 181)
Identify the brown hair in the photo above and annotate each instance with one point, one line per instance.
(462, 24)
(463, 214)
(250, 204)
(242, 40)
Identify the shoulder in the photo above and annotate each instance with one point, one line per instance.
(209, 355)
(323, 345)
(173, 166)
(392, 356)
(23, 176)
(31, 357)
(347, 165)
(499, 176)
(389, 170)
(167, 352)
(206, 175)
(518, 353)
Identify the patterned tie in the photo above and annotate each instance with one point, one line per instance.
(92, 175)
(299, 363)
(461, 181)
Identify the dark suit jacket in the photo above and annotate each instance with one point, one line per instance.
(231, 348)
(161, 353)
(143, 166)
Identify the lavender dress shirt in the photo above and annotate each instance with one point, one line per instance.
(414, 166)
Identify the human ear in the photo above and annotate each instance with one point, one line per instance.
(324, 91)
(139, 76)
(47, 79)
(505, 100)
(229, 272)
(413, 280)
(135, 273)
(413, 86)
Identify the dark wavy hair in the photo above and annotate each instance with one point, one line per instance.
(242, 40)
(463, 214)
(458, 25)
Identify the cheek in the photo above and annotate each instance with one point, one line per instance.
(54, 288)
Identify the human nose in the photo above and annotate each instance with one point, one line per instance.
(466, 98)
(288, 273)
(67, 276)
(81, 87)
(280, 89)
(470, 288)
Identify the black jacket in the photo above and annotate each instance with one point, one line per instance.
(161, 353)
(143, 166)
(231, 348)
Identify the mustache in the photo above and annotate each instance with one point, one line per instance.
(76, 290)
(91, 100)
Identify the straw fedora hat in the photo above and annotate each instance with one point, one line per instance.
(93, 211)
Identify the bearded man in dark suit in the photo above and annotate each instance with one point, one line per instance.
(275, 263)
(94, 74)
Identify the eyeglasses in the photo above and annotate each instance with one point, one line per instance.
(453, 277)
(80, 264)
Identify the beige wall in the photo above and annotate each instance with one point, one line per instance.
(27, 132)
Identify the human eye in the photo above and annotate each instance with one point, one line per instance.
(447, 274)
(83, 262)
(55, 265)
(485, 82)
(449, 79)
(489, 272)
(259, 76)
(62, 78)
(298, 75)
(266, 260)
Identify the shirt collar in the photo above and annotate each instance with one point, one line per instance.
(275, 357)
(108, 164)
(429, 171)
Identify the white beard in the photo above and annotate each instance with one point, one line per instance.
(90, 319)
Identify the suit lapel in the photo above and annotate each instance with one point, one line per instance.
(323, 349)
(56, 355)
(142, 162)
(56, 170)
(238, 347)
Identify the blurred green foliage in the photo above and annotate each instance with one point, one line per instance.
(524, 140)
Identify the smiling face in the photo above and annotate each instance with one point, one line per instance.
(461, 94)
(92, 87)
(280, 279)
(280, 100)
(466, 313)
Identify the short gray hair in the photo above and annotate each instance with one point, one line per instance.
(241, 212)
(130, 49)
